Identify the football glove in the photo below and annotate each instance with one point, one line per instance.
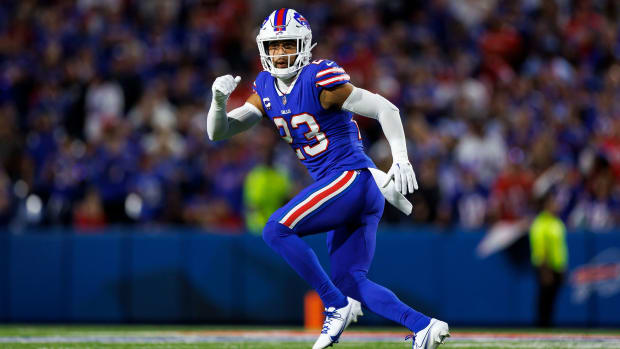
(404, 177)
(222, 87)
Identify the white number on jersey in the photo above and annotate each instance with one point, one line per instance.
(281, 123)
(314, 133)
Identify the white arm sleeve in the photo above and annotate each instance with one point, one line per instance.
(221, 125)
(365, 103)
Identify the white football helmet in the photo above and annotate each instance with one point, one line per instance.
(285, 24)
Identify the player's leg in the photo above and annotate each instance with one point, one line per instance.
(298, 254)
(318, 208)
(351, 250)
(350, 261)
(326, 205)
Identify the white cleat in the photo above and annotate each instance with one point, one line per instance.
(356, 311)
(335, 322)
(432, 335)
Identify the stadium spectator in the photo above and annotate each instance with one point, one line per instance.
(90, 90)
(6, 199)
(469, 204)
(597, 208)
(89, 215)
(481, 150)
(511, 197)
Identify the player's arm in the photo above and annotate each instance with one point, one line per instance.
(222, 125)
(365, 103)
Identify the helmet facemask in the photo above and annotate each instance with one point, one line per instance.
(290, 26)
(294, 63)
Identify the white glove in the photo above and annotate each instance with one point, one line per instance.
(222, 87)
(403, 175)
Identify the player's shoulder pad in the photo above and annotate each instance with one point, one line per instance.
(259, 82)
(327, 73)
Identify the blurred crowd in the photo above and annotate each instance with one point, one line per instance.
(103, 107)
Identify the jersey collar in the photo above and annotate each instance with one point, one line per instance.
(290, 88)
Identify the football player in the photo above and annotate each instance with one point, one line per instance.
(311, 104)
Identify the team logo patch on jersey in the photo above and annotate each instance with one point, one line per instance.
(267, 103)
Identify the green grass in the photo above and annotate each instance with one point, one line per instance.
(81, 330)
(287, 345)
(603, 331)
(26, 332)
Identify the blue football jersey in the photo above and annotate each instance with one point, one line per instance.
(326, 141)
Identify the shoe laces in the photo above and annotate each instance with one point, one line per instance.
(412, 337)
(329, 316)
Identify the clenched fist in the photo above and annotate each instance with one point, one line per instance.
(222, 87)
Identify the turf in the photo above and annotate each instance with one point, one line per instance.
(195, 346)
(183, 337)
(82, 330)
(290, 345)
(294, 345)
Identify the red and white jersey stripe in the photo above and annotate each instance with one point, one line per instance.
(329, 74)
(333, 70)
(318, 198)
(331, 80)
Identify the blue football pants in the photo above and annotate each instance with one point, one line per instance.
(348, 206)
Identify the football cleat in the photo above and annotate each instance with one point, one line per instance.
(356, 311)
(335, 322)
(431, 336)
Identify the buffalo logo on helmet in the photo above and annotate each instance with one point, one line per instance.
(301, 20)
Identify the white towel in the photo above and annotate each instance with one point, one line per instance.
(390, 193)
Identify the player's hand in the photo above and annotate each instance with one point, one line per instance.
(404, 177)
(222, 87)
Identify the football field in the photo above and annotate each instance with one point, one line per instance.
(186, 337)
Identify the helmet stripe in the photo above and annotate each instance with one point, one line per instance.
(284, 16)
(280, 18)
(275, 18)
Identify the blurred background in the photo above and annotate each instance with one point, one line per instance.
(114, 201)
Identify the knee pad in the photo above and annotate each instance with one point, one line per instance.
(274, 231)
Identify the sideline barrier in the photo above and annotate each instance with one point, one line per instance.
(183, 275)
